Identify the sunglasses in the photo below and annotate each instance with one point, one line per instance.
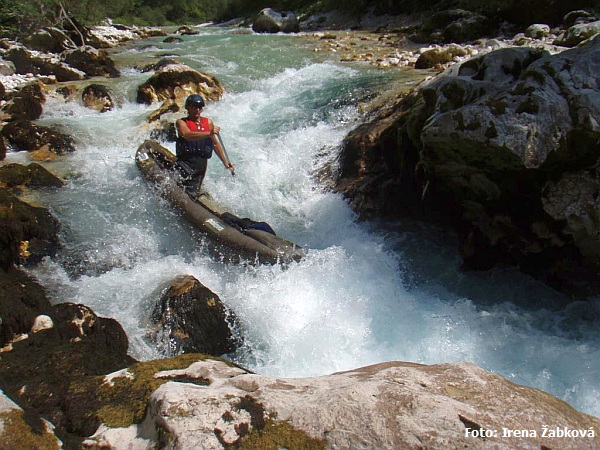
(195, 105)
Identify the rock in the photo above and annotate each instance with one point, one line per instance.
(186, 30)
(175, 82)
(271, 21)
(437, 56)
(50, 40)
(537, 31)
(37, 63)
(19, 429)
(577, 17)
(24, 135)
(97, 97)
(163, 62)
(172, 40)
(32, 176)
(189, 318)
(91, 61)
(109, 35)
(7, 67)
(80, 347)
(483, 148)
(41, 322)
(578, 33)
(27, 103)
(454, 25)
(22, 299)
(168, 106)
(391, 405)
(29, 233)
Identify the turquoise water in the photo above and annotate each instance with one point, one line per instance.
(365, 293)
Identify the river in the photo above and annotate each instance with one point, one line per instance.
(365, 292)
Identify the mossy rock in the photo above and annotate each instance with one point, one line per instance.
(34, 175)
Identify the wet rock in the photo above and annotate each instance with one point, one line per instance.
(97, 97)
(168, 106)
(390, 405)
(175, 82)
(172, 40)
(22, 299)
(91, 61)
(271, 21)
(26, 104)
(186, 30)
(191, 319)
(25, 135)
(476, 147)
(33, 176)
(28, 232)
(80, 347)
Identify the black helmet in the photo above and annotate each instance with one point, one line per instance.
(194, 100)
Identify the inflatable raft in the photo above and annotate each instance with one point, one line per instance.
(235, 239)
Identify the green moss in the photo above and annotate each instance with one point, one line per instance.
(18, 434)
(276, 435)
(124, 403)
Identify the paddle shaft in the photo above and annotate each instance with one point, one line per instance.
(225, 152)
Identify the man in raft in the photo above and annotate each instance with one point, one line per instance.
(197, 138)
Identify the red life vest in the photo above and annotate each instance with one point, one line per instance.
(202, 148)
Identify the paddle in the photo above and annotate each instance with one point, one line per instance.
(225, 153)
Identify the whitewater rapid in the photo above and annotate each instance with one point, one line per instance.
(365, 292)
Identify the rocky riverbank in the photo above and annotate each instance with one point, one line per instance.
(65, 372)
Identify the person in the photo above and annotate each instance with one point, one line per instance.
(197, 138)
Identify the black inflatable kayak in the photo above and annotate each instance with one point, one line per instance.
(236, 239)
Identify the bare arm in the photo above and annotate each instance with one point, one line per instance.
(219, 150)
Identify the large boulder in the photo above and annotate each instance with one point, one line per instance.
(271, 21)
(190, 318)
(490, 147)
(174, 82)
(391, 405)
